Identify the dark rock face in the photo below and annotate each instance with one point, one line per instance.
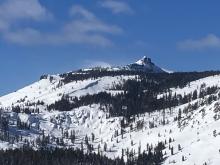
(145, 64)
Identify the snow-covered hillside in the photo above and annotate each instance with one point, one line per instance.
(51, 89)
(190, 131)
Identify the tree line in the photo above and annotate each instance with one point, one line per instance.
(58, 156)
(138, 96)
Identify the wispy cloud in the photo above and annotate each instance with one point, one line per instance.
(83, 27)
(82, 12)
(86, 27)
(12, 11)
(92, 64)
(211, 41)
(117, 6)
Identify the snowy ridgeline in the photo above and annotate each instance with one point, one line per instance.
(190, 132)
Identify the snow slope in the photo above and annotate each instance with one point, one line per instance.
(50, 91)
(197, 133)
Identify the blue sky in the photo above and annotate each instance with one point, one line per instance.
(53, 36)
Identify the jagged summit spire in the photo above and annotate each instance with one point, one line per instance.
(143, 61)
(145, 64)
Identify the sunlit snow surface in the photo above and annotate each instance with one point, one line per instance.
(194, 133)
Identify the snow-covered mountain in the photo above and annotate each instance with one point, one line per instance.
(142, 65)
(145, 64)
(51, 109)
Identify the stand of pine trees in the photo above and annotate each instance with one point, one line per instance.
(57, 156)
(177, 78)
(138, 96)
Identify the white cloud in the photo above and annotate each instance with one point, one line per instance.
(3, 25)
(92, 64)
(141, 43)
(31, 36)
(12, 11)
(12, 15)
(83, 28)
(117, 6)
(88, 22)
(82, 12)
(24, 36)
(210, 41)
